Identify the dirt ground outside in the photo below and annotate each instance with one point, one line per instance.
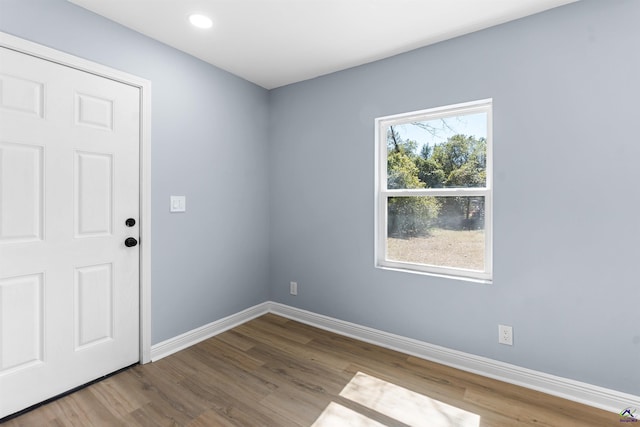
(447, 248)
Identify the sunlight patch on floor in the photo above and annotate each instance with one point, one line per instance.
(411, 408)
(338, 415)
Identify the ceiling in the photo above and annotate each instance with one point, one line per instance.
(277, 42)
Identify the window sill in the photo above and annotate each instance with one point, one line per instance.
(439, 275)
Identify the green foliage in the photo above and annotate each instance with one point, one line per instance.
(463, 160)
(458, 162)
(407, 216)
(402, 171)
(411, 216)
(430, 172)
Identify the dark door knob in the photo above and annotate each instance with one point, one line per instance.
(130, 222)
(130, 242)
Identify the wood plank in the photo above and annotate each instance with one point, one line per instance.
(273, 371)
(236, 340)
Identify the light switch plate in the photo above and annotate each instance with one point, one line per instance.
(178, 204)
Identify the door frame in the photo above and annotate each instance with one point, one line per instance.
(37, 50)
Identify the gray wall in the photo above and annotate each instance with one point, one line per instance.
(208, 143)
(565, 85)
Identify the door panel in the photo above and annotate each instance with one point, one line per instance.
(21, 206)
(21, 319)
(94, 305)
(21, 96)
(69, 179)
(94, 112)
(93, 178)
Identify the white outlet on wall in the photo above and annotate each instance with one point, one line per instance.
(505, 335)
(293, 288)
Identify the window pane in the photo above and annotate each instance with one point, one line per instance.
(440, 231)
(449, 152)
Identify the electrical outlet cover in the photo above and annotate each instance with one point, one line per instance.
(505, 335)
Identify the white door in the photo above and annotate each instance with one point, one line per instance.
(69, 180)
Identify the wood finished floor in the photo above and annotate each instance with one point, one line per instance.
(273, 371)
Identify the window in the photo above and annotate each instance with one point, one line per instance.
(433, 191)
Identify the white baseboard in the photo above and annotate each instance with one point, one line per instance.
(175, 344)
(598, 397)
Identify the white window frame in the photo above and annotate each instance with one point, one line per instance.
(383, 193)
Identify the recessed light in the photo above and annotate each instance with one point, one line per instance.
(200, 21)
